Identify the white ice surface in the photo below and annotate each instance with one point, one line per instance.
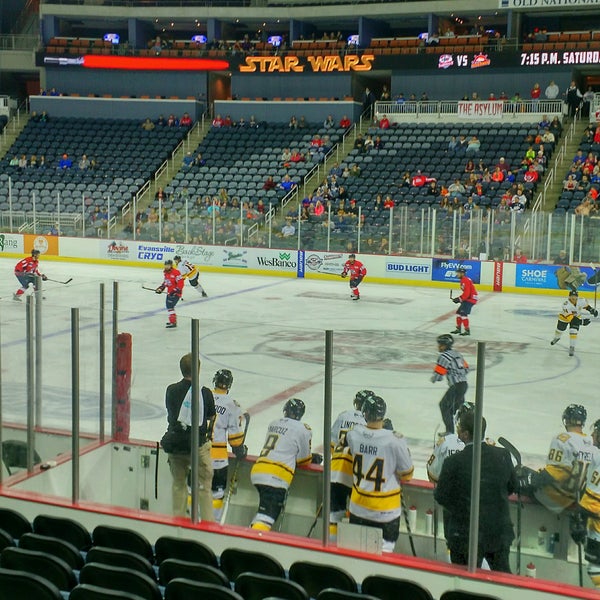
(270, 332)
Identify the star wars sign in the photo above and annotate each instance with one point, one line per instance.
(317, 64)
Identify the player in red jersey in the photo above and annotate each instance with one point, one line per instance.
(173, 283)
(467, 300)
(26, 271)
(357, 273)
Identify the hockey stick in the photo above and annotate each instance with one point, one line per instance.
(408, 529)
(150, 289)
(234, 476)
(517, 456)
(57, 281)
(450, 294)
(314, 523)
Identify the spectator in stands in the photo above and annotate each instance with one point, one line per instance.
(293, 123)
(172, 121)
(161, 121)
(552, 91)
(519, 200)
(531, 175)
(384, 247)
(227, 121)
(345, 122)
(368, 101)
(544, 123)
(160, 195)
(461, 146)
(22, 162)
(329, 123)
(252, 122)
(378, 204)
(199, 161)
(452, 145)
(369, 143)
(44, 118)
(84, 163)
(41, 163)
(584, 208)
(33, 164)
(536, 92)
(469, 166)
(288, 230)
(359, 143)
(519, 257)
(378, 143)
(217, 121)
(186, 120)
(148, 125)
(385, 94)
(473, 146)
(573, 97)
(548, 136)
(296, 156)
(556, 127)
(388, 203)
(286, 156)
(65, 162)
(286, 184)
(302, 124)
(188, 161)
(157, 46)
(456, 187)
(384, 122)
(354, 171)
(498, 175)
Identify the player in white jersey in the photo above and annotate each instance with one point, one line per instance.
(287, 444)
(575, 312)
(585, 523)
(560, 481)
(229, 427)
(341, 461)
(190, 272)
(381, 461)
(446, 445)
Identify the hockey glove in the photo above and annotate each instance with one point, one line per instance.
(317, 458)
(586, 322)
(387, 424)
(456, 300)
(240, 452)
(45, 278)
(159, 289)
(594, 312)
(578, 527)
(343, 275)
(528, 480)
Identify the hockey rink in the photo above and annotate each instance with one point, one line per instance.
(270, 332)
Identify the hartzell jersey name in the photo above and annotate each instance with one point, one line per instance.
(288, 443)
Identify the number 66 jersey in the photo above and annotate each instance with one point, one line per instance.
(380, 462)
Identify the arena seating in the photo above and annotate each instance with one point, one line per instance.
(103, 573)
(140, 155)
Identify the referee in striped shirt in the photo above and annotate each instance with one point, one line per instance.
(454, 367)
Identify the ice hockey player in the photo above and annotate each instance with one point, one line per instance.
(26, 271)
(357, 274)
(575, 312)
(287, 444)
(190, 272)
(559, 482)
(454, 367)
(380, 463)
(173, 283)
(585, 523)
(341, 461)
(446, 445)
(229, 427)
(466, 300)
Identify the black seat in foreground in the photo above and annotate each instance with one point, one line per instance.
(120, 579)
(190, 550)
(184, 589)
(459, 595)
(20, 585)
(64, 529)
(390, 588)
(235, 561)
(85, 591)
(120, 538)
(253, 586)
(173, 568)
(53, 546)
(333, 594)
(14, 523)
(314, 577)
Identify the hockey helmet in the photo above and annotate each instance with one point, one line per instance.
(351, 256)
(223, 379)
(294, 409)
(573, 293)
(168, 263)
(596, 431)
(374, 408)
(35, 252)
(360, 398)
(445, 340)
(461, 269)
(177, 259)
(574, 414)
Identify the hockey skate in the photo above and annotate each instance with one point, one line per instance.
(571, 350)
(456, 331)
(17, 297)
(554, 341)
(357, 297)
(465, 332)
(170, 325)
(204, 294)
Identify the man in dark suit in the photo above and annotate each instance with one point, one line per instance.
(453, 492)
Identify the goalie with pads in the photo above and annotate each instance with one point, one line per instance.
(357, 273)
(575, 312)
